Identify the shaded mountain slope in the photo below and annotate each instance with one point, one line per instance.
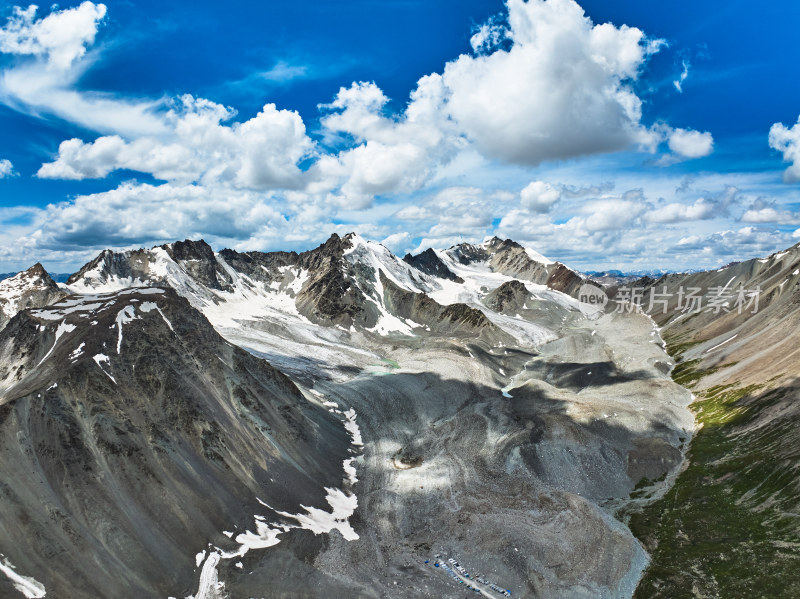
(430, 263)
(131, 435)
(510, 297)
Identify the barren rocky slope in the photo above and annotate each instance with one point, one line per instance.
(131, 435)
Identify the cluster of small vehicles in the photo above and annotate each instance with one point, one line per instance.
(451, 566)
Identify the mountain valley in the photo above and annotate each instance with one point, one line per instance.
(179, 422)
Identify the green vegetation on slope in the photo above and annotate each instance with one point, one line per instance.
(729, 526)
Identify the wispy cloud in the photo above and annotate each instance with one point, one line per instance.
(50, 54)
(678, 83)
(281, 73)
(284, 73)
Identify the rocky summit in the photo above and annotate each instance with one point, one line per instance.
(180, 422)
(32, 288)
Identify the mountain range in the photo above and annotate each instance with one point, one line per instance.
(341, 422)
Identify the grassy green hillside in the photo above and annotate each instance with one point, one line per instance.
(729, 526)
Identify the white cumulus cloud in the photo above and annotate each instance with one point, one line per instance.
(488, 36)
(562, 89)
(691, 144)
(539, 196)
(392, 153)
(260, 153)
(610, 214)
(134, 212)
(771, 215)
(787, 141)
(60, 38)
(6, 168)
(676, 212)
(545, 84)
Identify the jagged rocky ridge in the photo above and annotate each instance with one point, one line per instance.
(503, 422)
(337, 283)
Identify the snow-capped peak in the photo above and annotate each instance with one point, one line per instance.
(494, 244)
(380, 259)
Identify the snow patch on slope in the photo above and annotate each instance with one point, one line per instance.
(126, 315)
(100, 359)
(150, 306)
(316, 520)
(342, 507)
(352, 427)
(30, 587)
(537, 257)
(210, 587)
(63, 328)
(77, 353)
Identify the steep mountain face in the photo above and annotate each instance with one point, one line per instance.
(32, 288)
(732, 332)
(132, 435)
(430, 263)
(332, 294)
(182, 263)
(418, 308)
(501, 422)
(200, 263)
(134, 266)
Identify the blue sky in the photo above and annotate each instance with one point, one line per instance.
(610, 133)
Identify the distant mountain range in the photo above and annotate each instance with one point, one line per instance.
(57, 277)
(609, 278)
